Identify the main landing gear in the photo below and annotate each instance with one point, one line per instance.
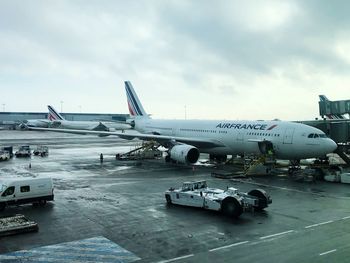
(294, 166)
(217, 158)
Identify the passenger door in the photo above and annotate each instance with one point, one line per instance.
(288, 136)
(240, 136)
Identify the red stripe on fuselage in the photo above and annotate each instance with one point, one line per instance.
(273, 126)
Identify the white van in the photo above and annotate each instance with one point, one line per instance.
(16, 191)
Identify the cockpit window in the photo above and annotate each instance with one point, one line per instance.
(315, 135)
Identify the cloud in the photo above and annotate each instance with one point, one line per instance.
(231, 59)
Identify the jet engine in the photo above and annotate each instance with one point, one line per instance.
(184, 153)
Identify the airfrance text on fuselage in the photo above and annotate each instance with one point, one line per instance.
(242, 126)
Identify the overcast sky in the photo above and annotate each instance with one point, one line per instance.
(218, 59)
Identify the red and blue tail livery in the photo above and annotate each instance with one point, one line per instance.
(134, 104)
(53, 114)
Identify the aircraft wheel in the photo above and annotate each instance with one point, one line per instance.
(2, 206)
(218, 158)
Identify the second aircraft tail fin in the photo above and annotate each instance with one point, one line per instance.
(53, 114)
(323, 98)
(134, 104)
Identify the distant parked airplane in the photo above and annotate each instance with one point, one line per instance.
(59, 122)
(43, 123)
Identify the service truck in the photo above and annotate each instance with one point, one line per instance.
(24, 151)
(230, 202)
(8, 149)
(16, 191)
(41, 150)
(4, 155)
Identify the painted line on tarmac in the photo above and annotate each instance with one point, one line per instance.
(289, 189)
(328, 252)
(278, 234)
(276, 187)
(175, 259)
(320, 224)
(347, 217)
(232, 245)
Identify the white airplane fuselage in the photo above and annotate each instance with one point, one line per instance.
(42, 123)
(290, 140)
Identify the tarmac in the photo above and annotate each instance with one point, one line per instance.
(116, 211)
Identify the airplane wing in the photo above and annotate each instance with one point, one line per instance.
(256, 140)
(162, 139)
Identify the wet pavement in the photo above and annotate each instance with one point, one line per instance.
(123, 204)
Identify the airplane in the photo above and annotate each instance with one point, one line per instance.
(186, 139)
(59, 122)
(43, 123)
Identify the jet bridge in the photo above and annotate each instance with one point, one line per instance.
(333, 109)
(335, 123)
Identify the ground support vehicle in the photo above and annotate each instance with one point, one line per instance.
(230, 202)
(147, 150)
(8, 149)
(41, 150)
(24, 151)
(4, 155)
(337, 175)
(11, 225)
(17, 191)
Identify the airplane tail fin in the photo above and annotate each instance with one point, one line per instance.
(323, 98)
(134, 104)
(53, 114)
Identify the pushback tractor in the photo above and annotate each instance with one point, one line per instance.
(230, 202)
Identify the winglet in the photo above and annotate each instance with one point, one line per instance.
(134, 104)
(53, 114)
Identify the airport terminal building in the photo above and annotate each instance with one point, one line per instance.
(20, 116)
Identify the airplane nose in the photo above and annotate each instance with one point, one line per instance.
(331, 146)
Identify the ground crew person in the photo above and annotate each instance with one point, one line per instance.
(101, 158)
